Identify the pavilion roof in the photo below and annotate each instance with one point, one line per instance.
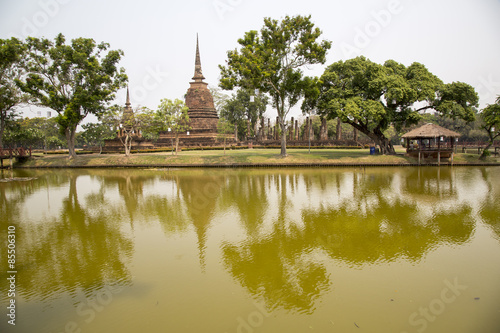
(430, 131)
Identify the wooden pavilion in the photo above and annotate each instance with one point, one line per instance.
(431, 141)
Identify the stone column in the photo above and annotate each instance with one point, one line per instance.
(290, 130)
(269, 128)
(324, 130)
(296, 134)
(248, 129)
(262, 129)
(306, 130)
(236, 132)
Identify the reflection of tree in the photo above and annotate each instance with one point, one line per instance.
(171, 213)
(490, 208)
(369, 226)
(430, 184)
(83, 248)
(130, 184)
(247, 192)
(390, 230)
(276, 266)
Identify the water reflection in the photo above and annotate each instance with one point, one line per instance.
(80, 249)
(490, 208)
(362, 223)
(292, 226)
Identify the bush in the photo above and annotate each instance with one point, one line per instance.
(63, 152)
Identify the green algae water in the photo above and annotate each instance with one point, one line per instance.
(251, 250)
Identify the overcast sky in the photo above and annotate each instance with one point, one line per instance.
(457, 40)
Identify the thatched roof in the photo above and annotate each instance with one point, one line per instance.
(430, 131)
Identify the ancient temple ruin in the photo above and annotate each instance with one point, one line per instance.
(127, 126)
(203, 117)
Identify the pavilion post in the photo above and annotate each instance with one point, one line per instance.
(439, 151)
(452, 150)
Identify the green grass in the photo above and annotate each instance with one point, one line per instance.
(235, 157)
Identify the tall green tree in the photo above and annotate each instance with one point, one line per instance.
(239, 109)
(224, 128)
(94, 134)
(219, 96)
(172, 115)
(73, 79)
(272, 62)
(35, 132)
(11, 56)
(370, 97)
(491, 118)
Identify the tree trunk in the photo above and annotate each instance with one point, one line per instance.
(3, 117)
(385, 144)
(70, 137)
(128, 144)
(283, 138)
(484, 154)
(339, 129)
(378, 137)
(1, 135)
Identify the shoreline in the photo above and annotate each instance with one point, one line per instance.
(263, 166)
(270, 158)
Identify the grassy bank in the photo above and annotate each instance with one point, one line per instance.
(238, 157)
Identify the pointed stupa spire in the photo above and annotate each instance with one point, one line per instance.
(127, 103)
(198, 75)
(128, 112)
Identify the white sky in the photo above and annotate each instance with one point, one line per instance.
(457, 40)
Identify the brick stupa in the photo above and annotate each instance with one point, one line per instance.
(203, 117)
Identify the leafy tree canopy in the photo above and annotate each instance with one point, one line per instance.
(239, 108)
(11, 57)
(491, 119)
(272, 60)
(73, 79)
(172, 115)
(370, 97)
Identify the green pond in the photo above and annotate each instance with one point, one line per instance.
(251, 250)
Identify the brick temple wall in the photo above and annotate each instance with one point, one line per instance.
(202, 114)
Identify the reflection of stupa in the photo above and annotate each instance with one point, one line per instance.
(203, 117)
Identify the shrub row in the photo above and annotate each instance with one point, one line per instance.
(312, 147)
(160, 150)
(63, 152)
